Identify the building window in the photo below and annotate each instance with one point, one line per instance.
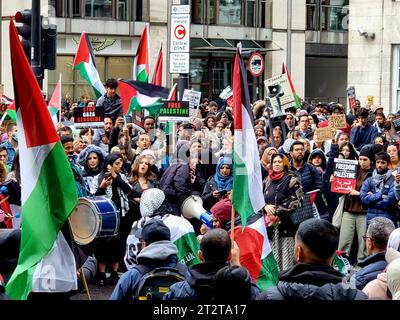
(74, 84)
(327, 15)
(102, 9)
(249, 13)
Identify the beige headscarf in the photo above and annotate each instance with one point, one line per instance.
(265, 155)
(393, 278)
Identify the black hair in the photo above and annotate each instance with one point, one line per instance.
(319, 236)
(383, 156)
(231, 280)
(362, 112)
(148, 117)
(65, 129)
(295, 144)
(66, 138)
(111, 83)
(216, 245)
(353, 153)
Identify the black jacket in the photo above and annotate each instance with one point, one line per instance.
(311, 282)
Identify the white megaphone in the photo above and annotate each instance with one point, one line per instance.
(192, 207)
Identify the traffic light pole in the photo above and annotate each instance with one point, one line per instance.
(36, 39)
(183, 80)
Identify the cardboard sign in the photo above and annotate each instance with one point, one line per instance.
(351, 95)
(89, 117)
(285, 96)
(337, 121)
(193, 97)
(322, 134)
(344, 175)
(174, 111)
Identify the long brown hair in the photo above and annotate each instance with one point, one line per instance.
(149, 175)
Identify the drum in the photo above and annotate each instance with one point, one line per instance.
(93, 218)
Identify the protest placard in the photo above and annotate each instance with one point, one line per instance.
(337, 121)
(193, 97)
(344, 175)
(322, 134)
(89, 117)
(174, 111)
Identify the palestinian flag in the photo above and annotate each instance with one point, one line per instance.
(54, 105)
(86, 64)
(136, 96)
(256, 253)
(10, 107)
(184, 238)
(157, 76)
(296, 98)
(142, 62)
(247, 193)
(46, 262)
(182, 235)
(173, 94)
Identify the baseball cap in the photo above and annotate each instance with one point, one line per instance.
(153, 230)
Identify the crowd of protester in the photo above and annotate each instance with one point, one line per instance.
(123, 162)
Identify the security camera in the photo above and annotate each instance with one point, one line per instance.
(362, 32)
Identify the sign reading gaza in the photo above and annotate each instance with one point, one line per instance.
(344, 175)
(89, 117)
(174, 111)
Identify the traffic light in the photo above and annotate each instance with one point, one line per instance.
(25, 17)
(49, 46)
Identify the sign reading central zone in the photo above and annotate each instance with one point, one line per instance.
(174, 111)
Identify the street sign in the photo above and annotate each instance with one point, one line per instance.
(174, 111)
(180, 39)
(256, 64)
(179, 62)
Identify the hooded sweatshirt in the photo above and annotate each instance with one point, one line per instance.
(157, 254)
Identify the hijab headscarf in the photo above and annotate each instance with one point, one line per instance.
(224, 183)
(265, 155)
(393, 278)
(286, 165)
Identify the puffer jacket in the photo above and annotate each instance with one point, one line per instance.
(311, 282)
(371, 267)
(157, 254)
(377, 206)
(199, 286)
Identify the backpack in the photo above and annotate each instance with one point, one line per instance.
(155, 283)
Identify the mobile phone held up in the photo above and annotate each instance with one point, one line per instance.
(222, 192)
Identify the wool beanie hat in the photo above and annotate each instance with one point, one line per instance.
(150, 201)
(222, 210)
(370, 150)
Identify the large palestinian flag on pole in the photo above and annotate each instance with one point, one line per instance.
(136, 96)
(86, 64)
(142, 62)
(157, 76)
(247, 193)
(46, 262)
(256, 253)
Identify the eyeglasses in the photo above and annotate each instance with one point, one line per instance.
(366, 237)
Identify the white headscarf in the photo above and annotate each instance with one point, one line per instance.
(393, 278)
(394, 240)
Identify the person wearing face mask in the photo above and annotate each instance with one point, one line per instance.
(11, 144)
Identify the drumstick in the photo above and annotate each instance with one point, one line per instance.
(5, 199)
(84, 283)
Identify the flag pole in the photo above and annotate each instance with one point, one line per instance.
(85, 283)
(3, 117)
(59, 112)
